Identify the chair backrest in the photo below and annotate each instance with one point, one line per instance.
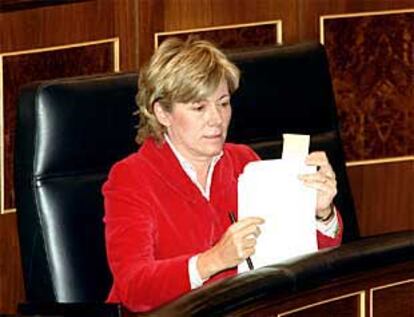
(71, 131)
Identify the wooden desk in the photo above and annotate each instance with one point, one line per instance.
(369, 277)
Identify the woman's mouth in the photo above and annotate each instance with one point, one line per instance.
(213, 136)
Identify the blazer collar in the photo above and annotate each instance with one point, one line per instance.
(164, 163)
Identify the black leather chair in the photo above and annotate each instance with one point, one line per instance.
(70, 132)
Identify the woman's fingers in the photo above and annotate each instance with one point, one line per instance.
(324, 188)
(247, 228)
(236, 244)
(318, 181)
(245, 253)
(246, 222)
(324, 180)
(318, 158)
(241, 237)
(246, 248)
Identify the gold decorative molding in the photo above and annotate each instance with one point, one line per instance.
(361, 298)
(2, 209)
(277, 23)
(115, 42)
(389, 160)
(322, 18)
(381, 287)
(116, 68)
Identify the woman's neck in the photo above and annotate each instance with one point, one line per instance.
(201, 169)
(200, 165)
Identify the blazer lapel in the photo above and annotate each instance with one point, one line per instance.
(164, 163)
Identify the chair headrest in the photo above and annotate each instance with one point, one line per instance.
(81, 124)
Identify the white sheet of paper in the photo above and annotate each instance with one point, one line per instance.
(295, 146)
(271, 189)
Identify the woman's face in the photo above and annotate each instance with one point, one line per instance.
(198, 130)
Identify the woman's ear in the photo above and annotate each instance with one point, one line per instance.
(162, 116)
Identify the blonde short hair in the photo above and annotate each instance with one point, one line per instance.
(180, 71)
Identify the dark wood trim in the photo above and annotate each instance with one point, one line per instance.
(126, 27)
(16, 5)
(11, 278)
(150, 20)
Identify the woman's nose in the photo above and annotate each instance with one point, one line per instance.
(215, 117)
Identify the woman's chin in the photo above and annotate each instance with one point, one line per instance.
(214, 149)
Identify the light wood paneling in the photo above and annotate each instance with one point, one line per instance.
(172, 15)
(14, 5)
(126, 26)
(383, 196)
(56, 25)
(207, 13)
(216, 12)
(311, 10)
(150, 21)
(11, 280)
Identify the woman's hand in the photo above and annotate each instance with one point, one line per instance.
(324, 181)
(236, 245)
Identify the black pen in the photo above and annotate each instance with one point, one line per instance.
(248, 260)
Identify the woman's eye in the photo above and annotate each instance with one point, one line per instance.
(198, 108)
(225, 103)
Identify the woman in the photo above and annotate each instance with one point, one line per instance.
(167, 206)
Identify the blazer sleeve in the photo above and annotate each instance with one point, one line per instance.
(326, 241)
(141, 282)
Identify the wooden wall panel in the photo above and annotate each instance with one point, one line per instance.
(208, 13)
(383, 202)
(150, 21)
(189, 14)
(14, 5)
(11, 280)
(383, 196)
(346, 306)
(19, 68)
(393, 300)
(63, 24)
(126, 26)
(232, 36)
(311, 10)
(56, 25)
(373, 77)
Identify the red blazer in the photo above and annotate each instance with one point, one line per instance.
(157, 219)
